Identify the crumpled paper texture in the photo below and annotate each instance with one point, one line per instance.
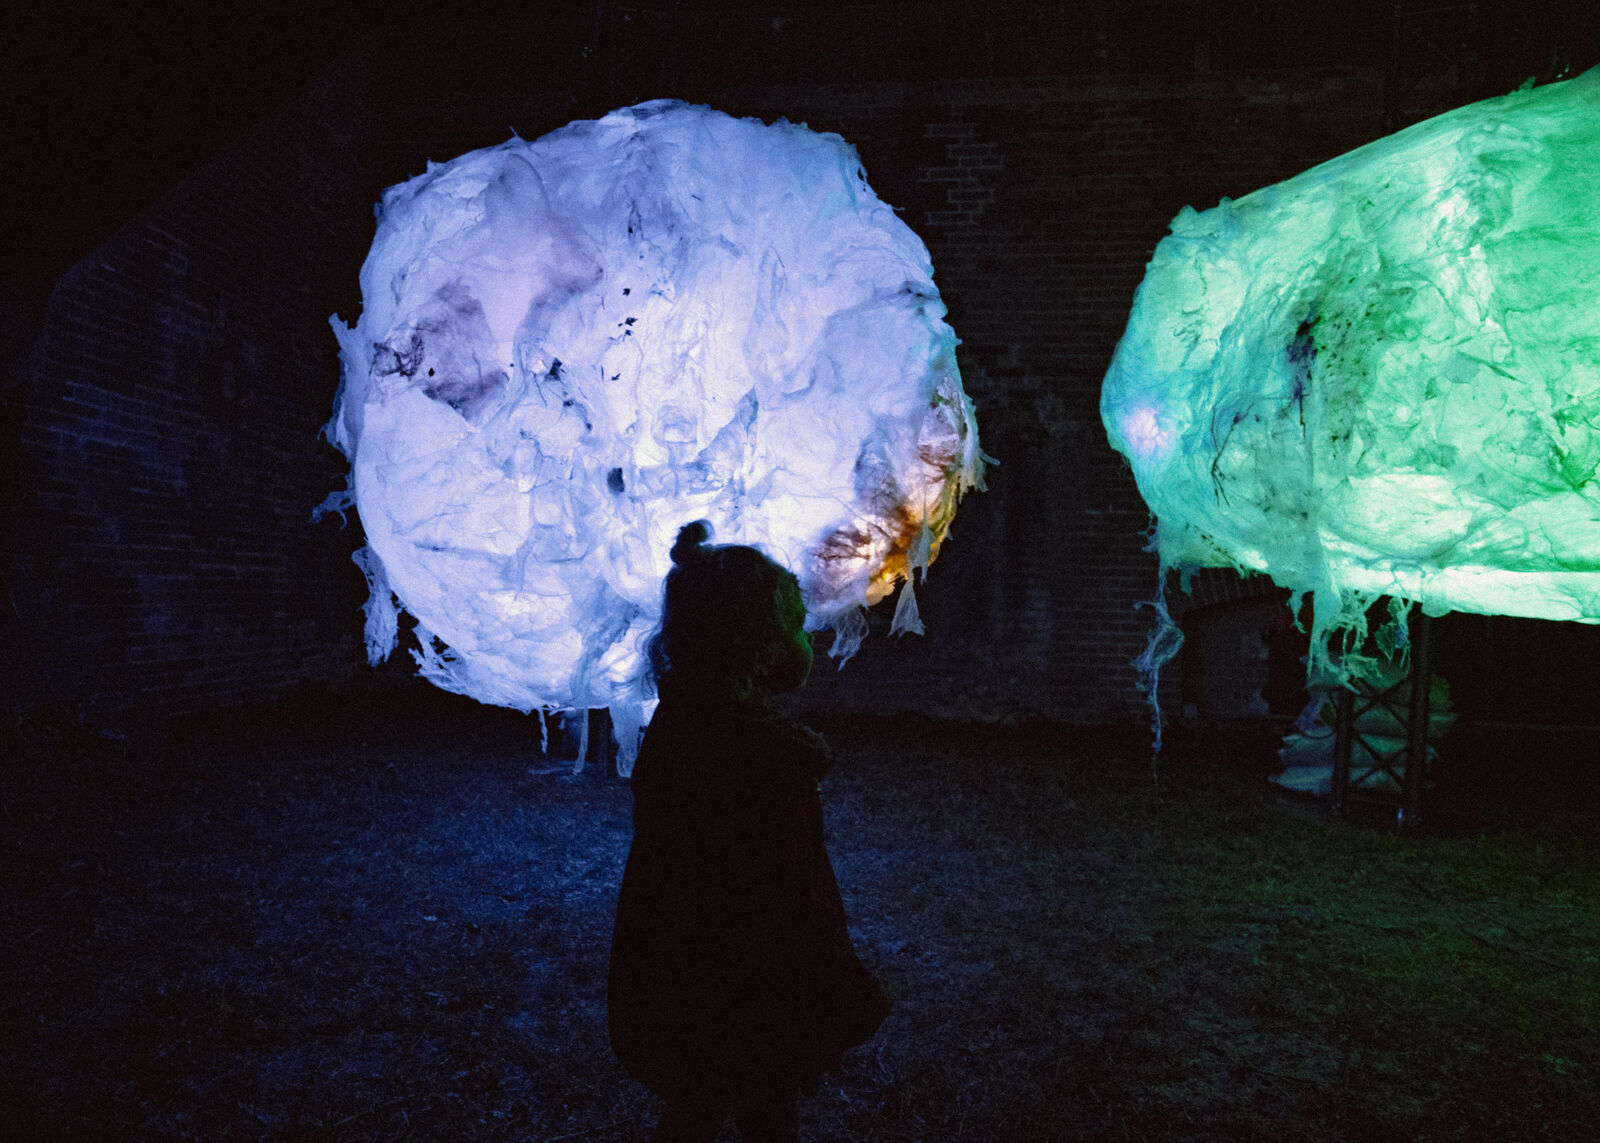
(1382, 376)
(569, 348)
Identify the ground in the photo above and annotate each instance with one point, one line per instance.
(376, 919)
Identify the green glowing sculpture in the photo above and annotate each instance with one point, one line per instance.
(1382, 376)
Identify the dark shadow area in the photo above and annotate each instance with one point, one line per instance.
(385, 916)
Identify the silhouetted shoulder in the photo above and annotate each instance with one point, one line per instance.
(741, 743)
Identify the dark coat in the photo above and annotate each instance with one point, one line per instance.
(731, 966)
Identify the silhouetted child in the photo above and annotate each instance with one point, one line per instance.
(733, 981)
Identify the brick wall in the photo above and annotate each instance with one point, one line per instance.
(159, 557)
(1041, 201)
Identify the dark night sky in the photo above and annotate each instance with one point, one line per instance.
(112, 104)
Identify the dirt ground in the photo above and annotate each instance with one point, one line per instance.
(380, 919)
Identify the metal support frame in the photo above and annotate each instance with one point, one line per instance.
(1407, 765)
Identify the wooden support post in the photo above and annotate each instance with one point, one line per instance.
(1417, 719)
(1343, 744)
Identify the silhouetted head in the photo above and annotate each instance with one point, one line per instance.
(732, 621)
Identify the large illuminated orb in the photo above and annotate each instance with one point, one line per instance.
(571, 347)
(1382, 377)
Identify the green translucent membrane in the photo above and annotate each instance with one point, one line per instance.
(1382, 376)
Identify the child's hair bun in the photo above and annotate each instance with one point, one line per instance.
(690, 539)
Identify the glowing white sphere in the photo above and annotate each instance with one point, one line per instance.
(569, 348)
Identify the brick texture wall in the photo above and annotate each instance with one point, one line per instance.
(1041, 201)
(161, 558)
(158, 553)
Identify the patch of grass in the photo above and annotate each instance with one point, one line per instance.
(313, 926)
